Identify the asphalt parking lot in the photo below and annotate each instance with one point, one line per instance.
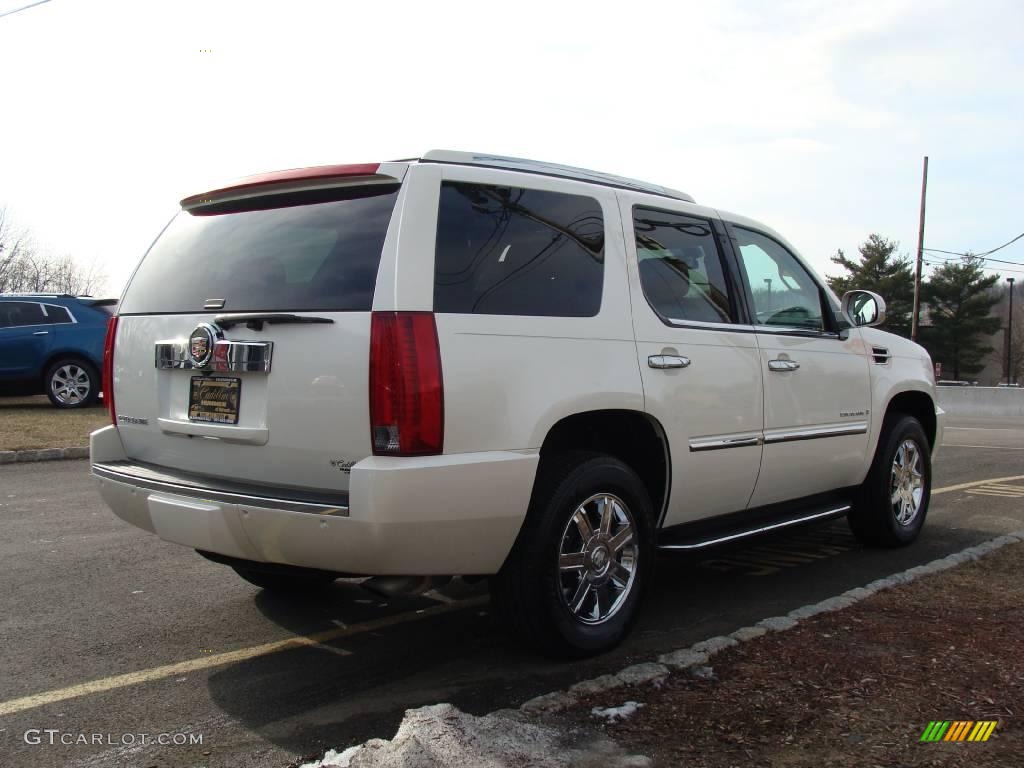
(109, 631)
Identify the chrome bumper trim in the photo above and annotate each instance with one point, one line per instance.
(210, 489)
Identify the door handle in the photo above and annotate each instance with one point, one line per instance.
(668, 361)
(783, 365)
(41, 333)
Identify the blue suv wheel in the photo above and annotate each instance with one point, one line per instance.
(72, 383)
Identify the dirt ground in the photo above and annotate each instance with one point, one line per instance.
(856, 687)
(32, 422)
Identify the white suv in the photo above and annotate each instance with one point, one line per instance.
(480, 366)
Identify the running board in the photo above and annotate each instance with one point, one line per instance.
(681, 538)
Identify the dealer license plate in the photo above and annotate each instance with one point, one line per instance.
(214, 399)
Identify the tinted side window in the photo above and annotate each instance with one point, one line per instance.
(784, 292)
(56, 315)
(681, 267)
(514, 251)
(17, 313)
(303, 251)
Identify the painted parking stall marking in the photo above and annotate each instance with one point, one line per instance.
(317, 640)
(787, 551)
(998, 489)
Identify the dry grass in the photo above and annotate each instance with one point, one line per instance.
(856, 687)
(32, 422)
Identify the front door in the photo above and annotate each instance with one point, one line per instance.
(701, 371)
(817, 395)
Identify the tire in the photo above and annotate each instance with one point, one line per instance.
(286, 583)
(535, 594)
(876, 519)
(71, 382)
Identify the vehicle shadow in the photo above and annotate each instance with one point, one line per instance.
(353, 688)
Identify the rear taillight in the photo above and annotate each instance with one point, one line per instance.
(406, 390)
(108, 368)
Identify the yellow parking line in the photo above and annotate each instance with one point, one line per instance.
(230, 657)
(962, 486)
(988, 447)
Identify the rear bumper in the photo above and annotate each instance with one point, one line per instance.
(432, 515)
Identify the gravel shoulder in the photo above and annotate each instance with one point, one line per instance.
(32, 422)
(856, 687)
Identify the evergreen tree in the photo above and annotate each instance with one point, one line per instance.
(881, 270)
(960, 301)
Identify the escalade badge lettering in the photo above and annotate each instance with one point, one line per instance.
(200, 344)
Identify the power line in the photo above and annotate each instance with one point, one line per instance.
(23, 8)
(965, 256)
(980, 255)
(1002, 261)
(944, 263)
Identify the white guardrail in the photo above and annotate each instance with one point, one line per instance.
(995, 402)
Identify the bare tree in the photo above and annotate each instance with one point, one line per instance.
(15, 248)
(24, 268)
(68, 276)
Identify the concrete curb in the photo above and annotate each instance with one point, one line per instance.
(44, 454)
(698, 654)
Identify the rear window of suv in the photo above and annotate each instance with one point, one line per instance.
(515, 251)
(284, 253)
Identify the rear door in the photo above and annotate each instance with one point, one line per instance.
(817, 395)
(698, 360)
(24, 339)
(203, 384)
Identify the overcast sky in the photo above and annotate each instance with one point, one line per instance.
(810, 116)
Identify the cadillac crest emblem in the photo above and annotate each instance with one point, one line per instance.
(201, 343)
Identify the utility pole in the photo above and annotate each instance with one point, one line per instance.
(1009, 338)
(920, 256)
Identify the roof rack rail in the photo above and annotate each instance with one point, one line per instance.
(551, 169)
(36, 294)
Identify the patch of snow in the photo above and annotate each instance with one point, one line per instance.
(334, 759)
(611, 714)
(442, 736)
(703, 673)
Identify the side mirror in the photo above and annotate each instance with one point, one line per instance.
(864, 308)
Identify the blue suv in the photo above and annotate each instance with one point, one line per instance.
(53, 343)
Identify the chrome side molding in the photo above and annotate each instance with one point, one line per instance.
(814, 433)
(228, 356)
(719, 443)
(835, 512)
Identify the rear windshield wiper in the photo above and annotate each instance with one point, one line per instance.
(254, 321)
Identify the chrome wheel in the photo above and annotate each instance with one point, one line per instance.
(906, 487)
(597, 558)
(70, 384)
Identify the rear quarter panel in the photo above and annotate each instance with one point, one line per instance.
(507, 378)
